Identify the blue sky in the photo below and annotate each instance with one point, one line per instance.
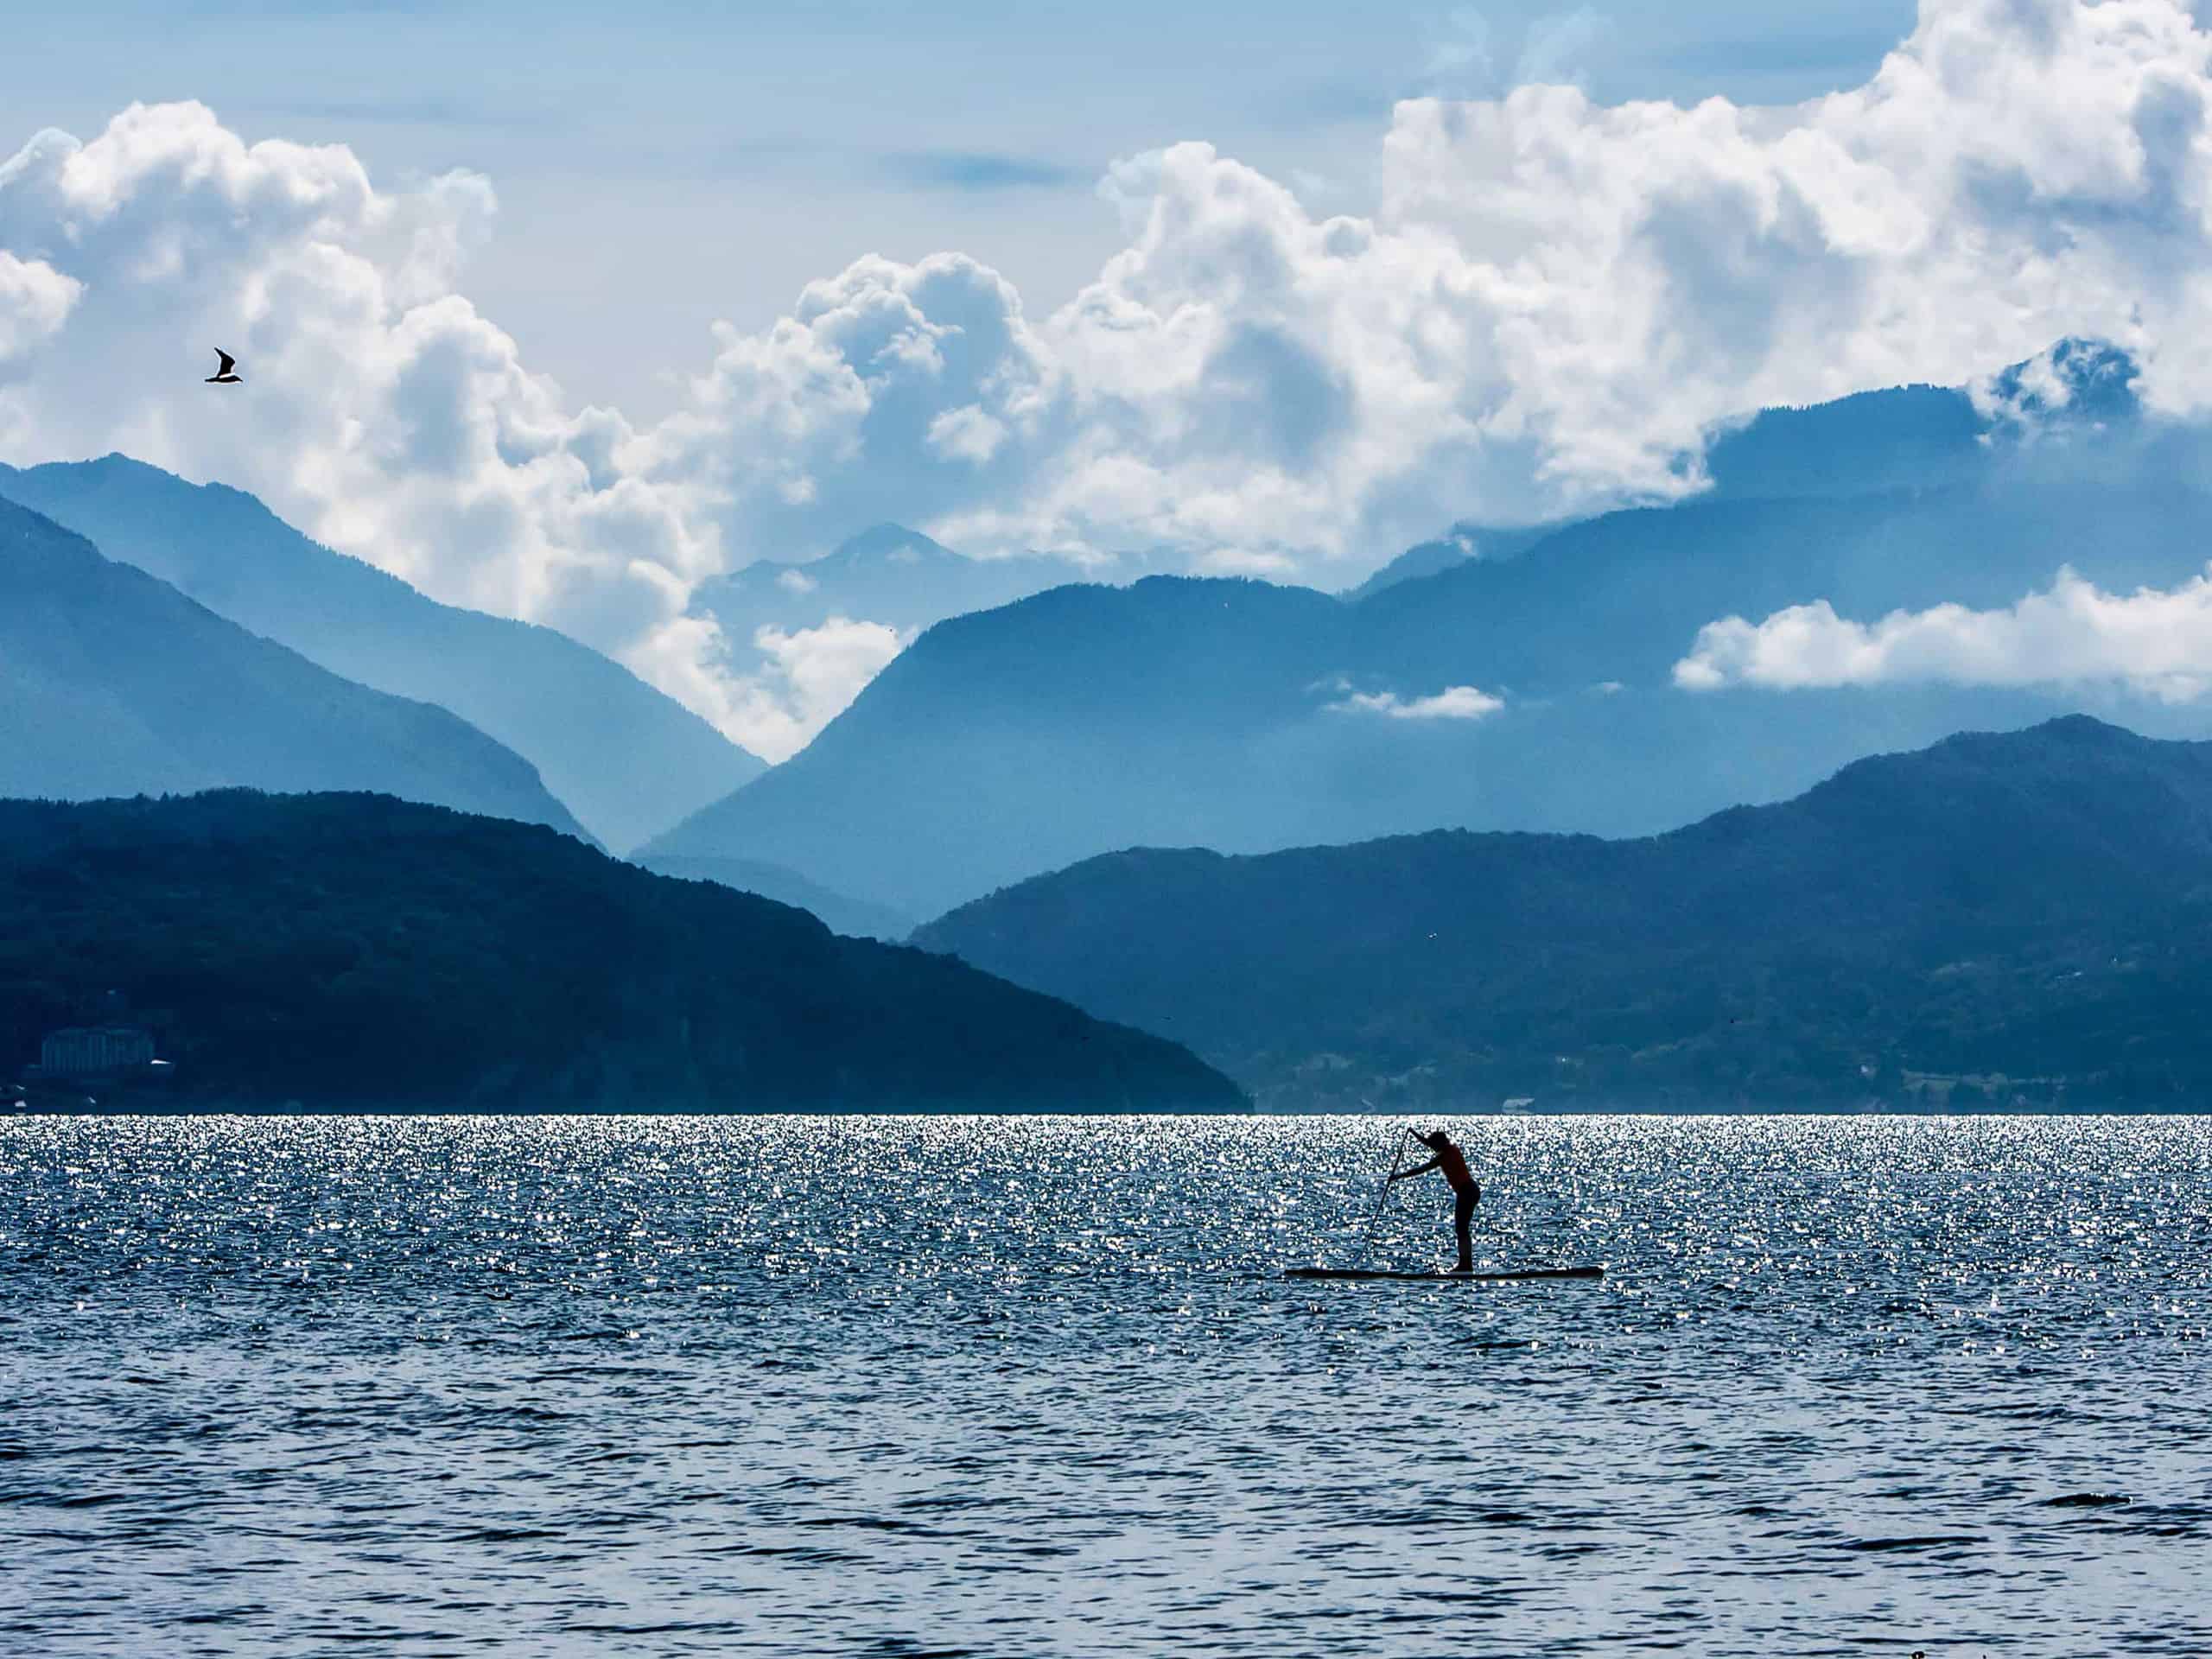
(659, 166)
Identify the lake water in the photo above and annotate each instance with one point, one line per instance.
(1026, 1386)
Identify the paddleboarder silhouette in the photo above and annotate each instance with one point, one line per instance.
(1466, 1191)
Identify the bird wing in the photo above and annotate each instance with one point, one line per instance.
(229, 362)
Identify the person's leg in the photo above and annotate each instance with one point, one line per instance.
(1463, 1221)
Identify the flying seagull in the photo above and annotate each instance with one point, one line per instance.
(227, 374)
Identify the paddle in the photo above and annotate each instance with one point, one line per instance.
(1397, 1152)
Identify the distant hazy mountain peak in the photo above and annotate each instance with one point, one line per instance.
(628, 758)
(893, 543)
(113, 683)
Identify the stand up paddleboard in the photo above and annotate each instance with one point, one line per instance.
(1525, 1274)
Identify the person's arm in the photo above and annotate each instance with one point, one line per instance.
(1422, 1170)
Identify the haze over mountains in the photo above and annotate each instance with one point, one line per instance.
(1534, 691)
(1995, 919)
(1528, 678)
(1971, 910)
(626, 759)
(112, 682)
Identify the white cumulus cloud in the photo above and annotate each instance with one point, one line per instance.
(1452, 703)
(1549, 303)
(380, 411)
(814, 675)
(34, 301)
(2154, 641)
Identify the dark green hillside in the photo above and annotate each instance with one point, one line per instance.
(2031, 910)
(354, 951)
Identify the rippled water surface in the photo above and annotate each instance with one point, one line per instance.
(1028, 1387)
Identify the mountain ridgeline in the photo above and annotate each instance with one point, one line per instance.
(1246, 717)
(113, 683)
(357, 952)
(835, 910)
(2023, 917)
(628, 760)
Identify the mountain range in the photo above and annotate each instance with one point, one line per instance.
(1338, 757)
(627, 759)
(1530, 690)
(112, 682)
(354, 951)
(2014, 919)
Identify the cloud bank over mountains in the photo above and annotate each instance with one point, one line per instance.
(1550, 305)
